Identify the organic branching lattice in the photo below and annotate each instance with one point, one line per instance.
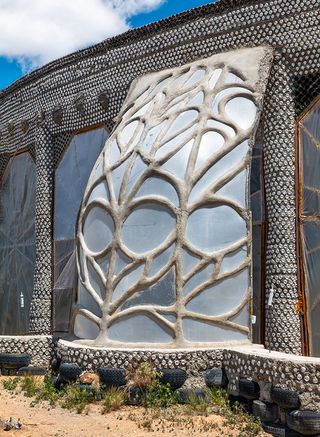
(164, 228)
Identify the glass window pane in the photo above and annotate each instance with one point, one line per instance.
(71, 178)
(221, 297)
(146, 227)
(220, 227)
(139, 329)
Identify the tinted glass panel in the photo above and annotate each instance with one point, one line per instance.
(71, 178)
(17, 244)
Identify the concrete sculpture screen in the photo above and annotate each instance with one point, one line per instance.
(164, 229)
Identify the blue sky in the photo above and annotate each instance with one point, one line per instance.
(65, 29)
(170, 7)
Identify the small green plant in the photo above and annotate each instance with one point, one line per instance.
(143, 376)
(10, 384)
(75, 399)
(113, 399)
(160, 395)
(219, 399)
(251, 426)
(30, 386)
(237, 418)
(198, 405)
(48, 392)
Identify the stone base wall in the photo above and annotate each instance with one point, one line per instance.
(40, 347)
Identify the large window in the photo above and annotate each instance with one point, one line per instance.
(309, 220)
(164, 244)
(17, 244)
(71, 178)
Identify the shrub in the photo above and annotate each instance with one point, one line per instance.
(10, 384)
(49, 392)
(143, 376)
(160, 395)
(75, 399)
(198, 405)
(113, 399)
(219, 399)
(30, 386)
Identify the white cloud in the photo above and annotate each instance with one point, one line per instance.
(37, 31)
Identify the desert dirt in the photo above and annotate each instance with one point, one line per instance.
(42, 420)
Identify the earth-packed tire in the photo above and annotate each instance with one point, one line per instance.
(31, 371)
(69, 371)
(183, 395)
(174, 377)
(112, 377)
(286, 399)
(278, 430)
(215, 378)
(305, 422)
(266, 411)
(14, 361)
(249, 389)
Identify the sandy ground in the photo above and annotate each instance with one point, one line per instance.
(43, 420)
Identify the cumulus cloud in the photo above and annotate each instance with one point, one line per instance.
(37, 31)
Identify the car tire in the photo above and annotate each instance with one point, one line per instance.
(249, 389)
(112, 377)
(32, 371)
(286, 399)
(14, 361)
(278, 430)
(55, 364)
(69, 372)
(216, 378)
(135, 395)
(266, 411)
(91, 392)
(183, 395)
(305, 422)
(174, 377)
(57, 382)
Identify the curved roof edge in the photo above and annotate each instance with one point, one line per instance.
(130, 36)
